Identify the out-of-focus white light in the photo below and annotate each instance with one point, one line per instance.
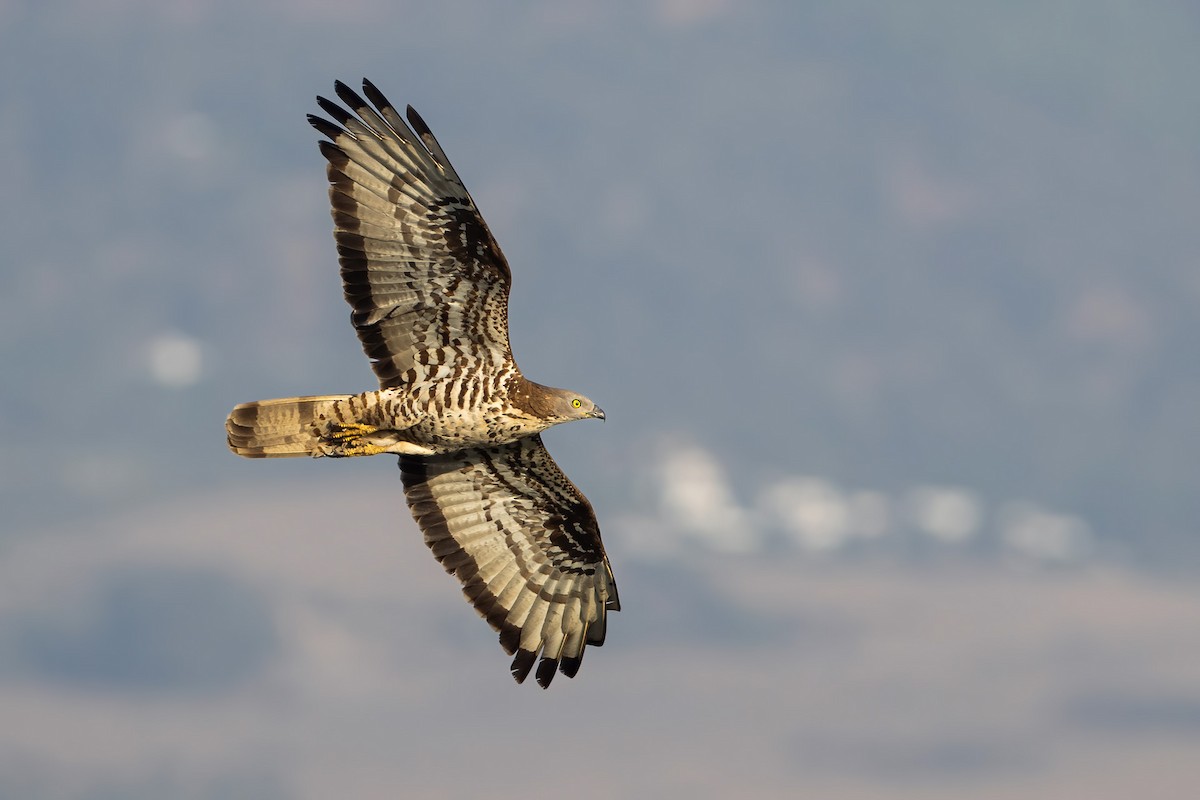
(175, 360)
(1043, 535)
(697, 498)
(946, 513)
(811, 510)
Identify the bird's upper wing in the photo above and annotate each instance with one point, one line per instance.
(525, 544)
(426, 279)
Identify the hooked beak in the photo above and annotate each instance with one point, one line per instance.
(598, 413)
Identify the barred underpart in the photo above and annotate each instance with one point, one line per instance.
(428, 289)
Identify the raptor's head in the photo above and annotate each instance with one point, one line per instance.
(571, 406)
(553, 406)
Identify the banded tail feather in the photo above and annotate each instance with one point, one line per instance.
(281, 428)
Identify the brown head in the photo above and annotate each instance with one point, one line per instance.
(553, 406)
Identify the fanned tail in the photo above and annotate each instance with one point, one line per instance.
(280, 428)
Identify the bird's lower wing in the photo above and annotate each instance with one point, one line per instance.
(525, 544)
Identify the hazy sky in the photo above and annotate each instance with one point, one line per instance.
(892, 308)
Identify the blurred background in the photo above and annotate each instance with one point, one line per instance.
(893, 308)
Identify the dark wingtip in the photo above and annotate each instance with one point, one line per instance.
(570, 666)
(545, 672)
(417, 123)
(522, 664)
(348, 95)
(510, 638)
(331, 108)
(334, 154)
(325, 127)
(374, 95)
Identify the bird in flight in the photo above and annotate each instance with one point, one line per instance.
(429, 289)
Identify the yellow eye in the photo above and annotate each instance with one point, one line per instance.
(576, 403)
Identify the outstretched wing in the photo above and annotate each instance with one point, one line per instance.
(427, 282)
(525, 544)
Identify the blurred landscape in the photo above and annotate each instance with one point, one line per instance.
(245, 644)
(893, 310)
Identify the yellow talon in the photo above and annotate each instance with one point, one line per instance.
(340, 441)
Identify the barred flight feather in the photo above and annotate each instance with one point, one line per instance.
(428, 290)
(533, 592)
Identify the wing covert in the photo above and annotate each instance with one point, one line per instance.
(525, 544)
